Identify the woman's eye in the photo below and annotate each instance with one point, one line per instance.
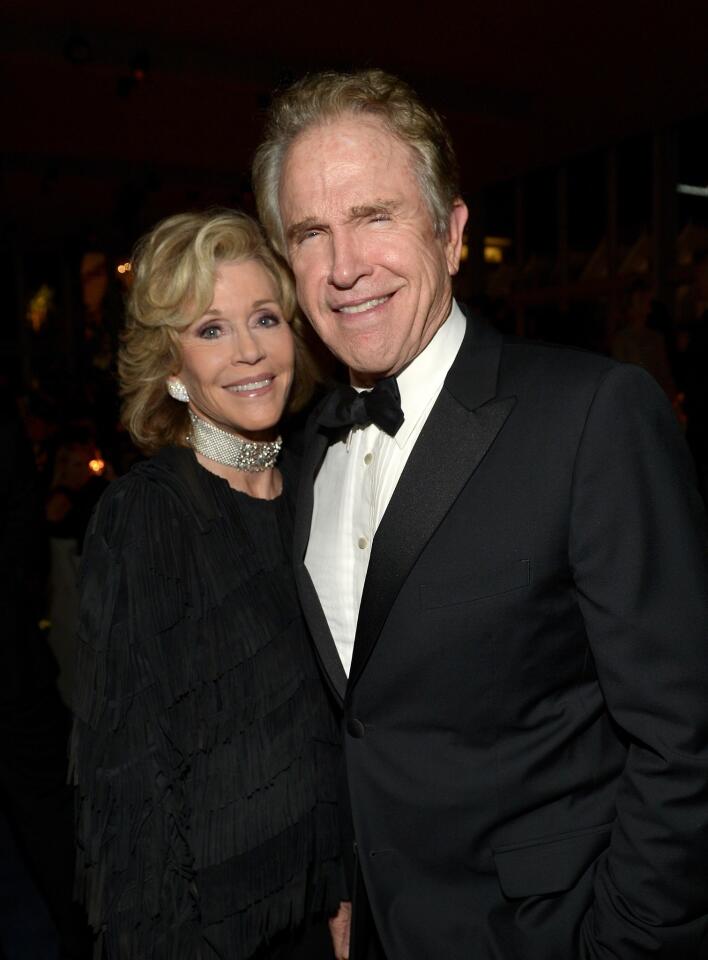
(268, 320)
(210, 332)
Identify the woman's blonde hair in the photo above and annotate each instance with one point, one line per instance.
(174, 271)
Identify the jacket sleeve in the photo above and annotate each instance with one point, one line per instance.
(638, 551)
(134, 865)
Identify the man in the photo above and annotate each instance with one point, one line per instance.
(508, 590)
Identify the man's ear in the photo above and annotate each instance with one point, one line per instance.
(456, 228)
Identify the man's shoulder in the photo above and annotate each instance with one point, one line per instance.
(524, 361)
(532, 362)
(555, 355)
(560, 384)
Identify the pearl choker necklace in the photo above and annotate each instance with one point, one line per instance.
(253, 456)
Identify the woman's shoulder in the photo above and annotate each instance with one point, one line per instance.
(151, 494)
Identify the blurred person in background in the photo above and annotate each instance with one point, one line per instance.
(692, 368)
(79, 476)
(637, 342)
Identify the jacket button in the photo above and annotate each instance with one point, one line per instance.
(355, 728)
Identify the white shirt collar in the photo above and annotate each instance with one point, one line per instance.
(422, 379)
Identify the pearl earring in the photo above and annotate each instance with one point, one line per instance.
(177, 390)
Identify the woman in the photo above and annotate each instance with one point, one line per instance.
(203, 746)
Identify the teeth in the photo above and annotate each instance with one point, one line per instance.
(255, 385)
(361, 307)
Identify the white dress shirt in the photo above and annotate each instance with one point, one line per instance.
(356, 482)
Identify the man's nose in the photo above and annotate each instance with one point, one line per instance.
(349, 262)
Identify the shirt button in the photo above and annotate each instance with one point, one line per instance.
(362, 543)
(368, 458)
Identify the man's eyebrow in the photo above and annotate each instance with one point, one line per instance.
(302, 226)
(361, 211)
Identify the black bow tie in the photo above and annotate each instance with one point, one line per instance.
(345, 408)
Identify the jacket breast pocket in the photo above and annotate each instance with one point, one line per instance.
(481, 585)
(549, 865)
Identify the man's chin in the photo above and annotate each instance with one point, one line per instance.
(365, 373)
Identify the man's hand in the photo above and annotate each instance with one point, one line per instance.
(339, 928)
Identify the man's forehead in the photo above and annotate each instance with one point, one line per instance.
(357, 159)
(361, 138)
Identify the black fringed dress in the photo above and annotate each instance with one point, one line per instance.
(204, 749)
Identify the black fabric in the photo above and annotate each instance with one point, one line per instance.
(311, 942)
(346, 407)
(204, 747)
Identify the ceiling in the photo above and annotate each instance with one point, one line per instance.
(90, 146)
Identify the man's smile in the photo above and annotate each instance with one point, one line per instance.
(363, 306)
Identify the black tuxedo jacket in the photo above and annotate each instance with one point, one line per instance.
(526, 717)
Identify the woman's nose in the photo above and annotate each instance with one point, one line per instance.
(247, 347)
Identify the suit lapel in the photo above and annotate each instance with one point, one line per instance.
(315, 449)
(458, 433)
(312, 608)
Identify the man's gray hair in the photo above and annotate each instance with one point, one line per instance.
(322, 97)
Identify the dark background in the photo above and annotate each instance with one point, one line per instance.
(573, 123)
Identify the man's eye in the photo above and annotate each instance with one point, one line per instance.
(380, 218)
